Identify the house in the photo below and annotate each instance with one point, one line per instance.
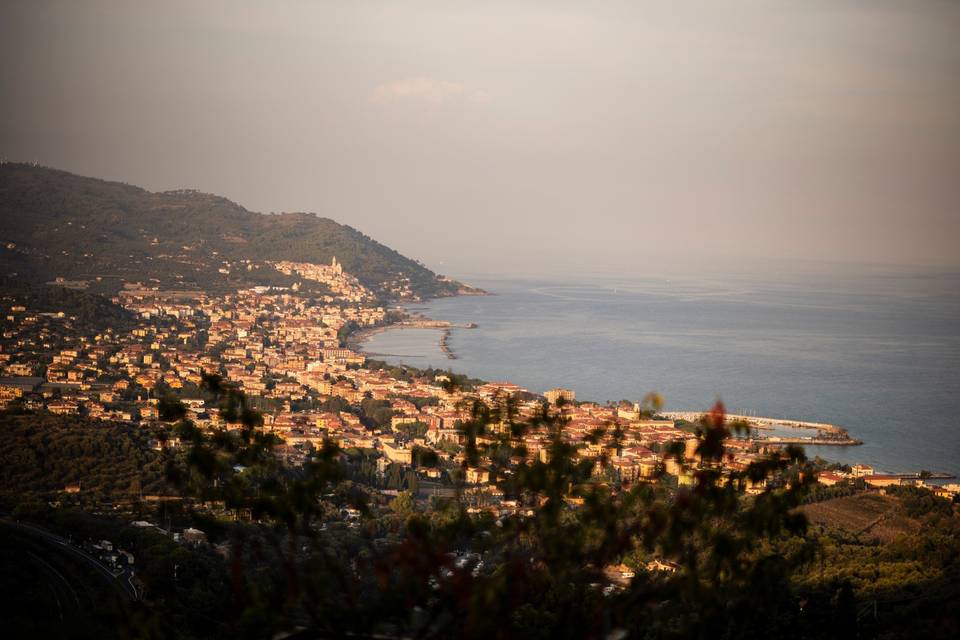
(619, 574)
(399, 454)
(149, 412)
(882, 480)
(663, 565)
(193, 536)
(829, 478)
(64, 407)
(947, 491)
(476, 475)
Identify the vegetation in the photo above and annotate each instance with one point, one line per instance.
(187, 587)
(408, 373)
(375, 414)
(543, 570)
(331, 556)
(413, 429)
(56, 224)
(901, 570)
(89, 309)
(43, 453)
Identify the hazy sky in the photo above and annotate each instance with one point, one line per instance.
(514, 136)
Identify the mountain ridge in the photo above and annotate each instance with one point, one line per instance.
(102, 234)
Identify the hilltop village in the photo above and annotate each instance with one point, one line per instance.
(285, 350)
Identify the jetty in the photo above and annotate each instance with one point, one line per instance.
(924, 475)
(444, 346)
(827, 434)
(427, 323)
(811, 440)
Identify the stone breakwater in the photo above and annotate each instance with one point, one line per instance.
(827, 434)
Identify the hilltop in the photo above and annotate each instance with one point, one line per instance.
(99, 234)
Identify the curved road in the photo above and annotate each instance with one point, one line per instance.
(120, 582)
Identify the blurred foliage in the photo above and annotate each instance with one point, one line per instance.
(319, 551)
(542, 568)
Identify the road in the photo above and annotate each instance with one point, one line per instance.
(120, 582)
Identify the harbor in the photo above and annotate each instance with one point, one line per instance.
(826, 434)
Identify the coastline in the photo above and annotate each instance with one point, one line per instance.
(512, 319)
(359, 338)
(826, 434)
(356, 340)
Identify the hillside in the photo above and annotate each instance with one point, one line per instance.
(43, 453)
(871, 515)
(55, 224)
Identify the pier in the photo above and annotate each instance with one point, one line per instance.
(427, 323)
(924, 475)
(833, 442)
(827, 434)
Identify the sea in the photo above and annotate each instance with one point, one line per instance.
(875, 353)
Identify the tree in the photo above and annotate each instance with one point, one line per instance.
(542, 569)
(404, 503)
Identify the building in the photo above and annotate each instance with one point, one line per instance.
(663, 565)
(194, 536)
(476, 475)
(829, 478)
(401, 454)
(861, 470)
(554, 396)
(16, 386)
(881, 480)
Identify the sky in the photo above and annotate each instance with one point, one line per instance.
(519, 137)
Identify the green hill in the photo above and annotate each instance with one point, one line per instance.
(42, 453)
(55, 224)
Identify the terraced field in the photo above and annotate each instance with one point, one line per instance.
(866, 514)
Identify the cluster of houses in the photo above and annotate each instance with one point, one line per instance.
(342, 284)
(881, 481)
(285, 350)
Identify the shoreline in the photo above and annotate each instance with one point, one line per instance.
(827, 434)
(818, 434)
(357, 339)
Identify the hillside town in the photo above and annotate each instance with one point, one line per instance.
(286, 352)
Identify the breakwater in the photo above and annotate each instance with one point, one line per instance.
(444, 346)
(827, 434)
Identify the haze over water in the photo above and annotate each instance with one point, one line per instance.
(879, 355)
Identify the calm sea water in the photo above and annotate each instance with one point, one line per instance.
(879, 355)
